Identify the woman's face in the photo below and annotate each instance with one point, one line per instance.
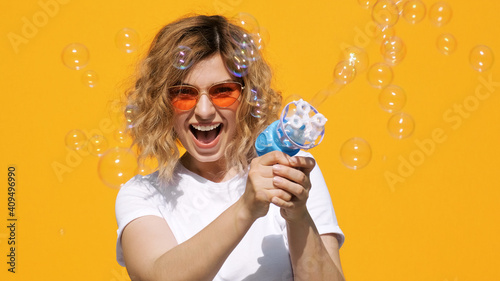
(205, 130)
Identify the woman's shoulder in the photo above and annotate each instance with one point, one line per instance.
(153, 189)
(140, 185)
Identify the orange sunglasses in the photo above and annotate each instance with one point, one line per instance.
(223, 94)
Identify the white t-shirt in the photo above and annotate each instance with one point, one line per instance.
(191, 202)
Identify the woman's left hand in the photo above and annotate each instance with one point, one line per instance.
(293, 179)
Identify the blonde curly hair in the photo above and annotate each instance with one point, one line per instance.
(151, 114)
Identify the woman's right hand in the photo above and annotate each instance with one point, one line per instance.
(260, 189)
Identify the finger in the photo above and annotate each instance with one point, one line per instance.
(306, 164)
(280, 193)
(274, 157)
(297, 190)
(257, 171)
(292, 174)
(282, 203)
(262, 165)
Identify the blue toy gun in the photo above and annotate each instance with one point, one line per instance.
(300, 126)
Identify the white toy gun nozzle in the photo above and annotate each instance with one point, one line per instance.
(300, 126)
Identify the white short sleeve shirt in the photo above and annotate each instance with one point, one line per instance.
(191, 202)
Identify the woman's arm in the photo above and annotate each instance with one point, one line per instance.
(152, 253)
(313, 256)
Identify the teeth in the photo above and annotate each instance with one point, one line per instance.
(205, 128)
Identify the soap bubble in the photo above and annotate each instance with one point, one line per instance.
(257, 109)
(440, 13)
(247, 22)
(256, 100)
(400, 4)
(414, 11)
(401, 125)
(290, 98)
(121, 136)
(255, 96)
(393, 50)
(182, 58)
(129, 113)
(446, 43)
(127, 40)
(323, 94)
(384, 32)
(145, 168)
(263, 37)
(344, 72)
(250, 42)
(385, 13)
(258, 40)
(76, 139)
(250, 50)
(248, 45)
(239, 65)
(392, 98)
(481, 58)
(357, 57)
(367, 4)
(116, 166)
(75, 56)
(380, 75)
(97, 145)
(355, 153)
(90, 78)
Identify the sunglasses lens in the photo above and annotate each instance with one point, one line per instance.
(225, 94)
(183, 97)
(222, 95)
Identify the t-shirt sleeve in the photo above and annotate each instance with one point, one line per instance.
(135, 199)
(319, 205)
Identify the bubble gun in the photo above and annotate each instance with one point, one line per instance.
(300, 126)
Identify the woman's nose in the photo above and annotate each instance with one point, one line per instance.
(204, 108)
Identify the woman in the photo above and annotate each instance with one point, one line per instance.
(218, 212)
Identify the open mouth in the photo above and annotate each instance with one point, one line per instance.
(205, 134)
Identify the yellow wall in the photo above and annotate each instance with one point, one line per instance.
(438, 220)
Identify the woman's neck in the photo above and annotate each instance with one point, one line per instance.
(212, 171)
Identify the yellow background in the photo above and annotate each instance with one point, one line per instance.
(441, 223)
